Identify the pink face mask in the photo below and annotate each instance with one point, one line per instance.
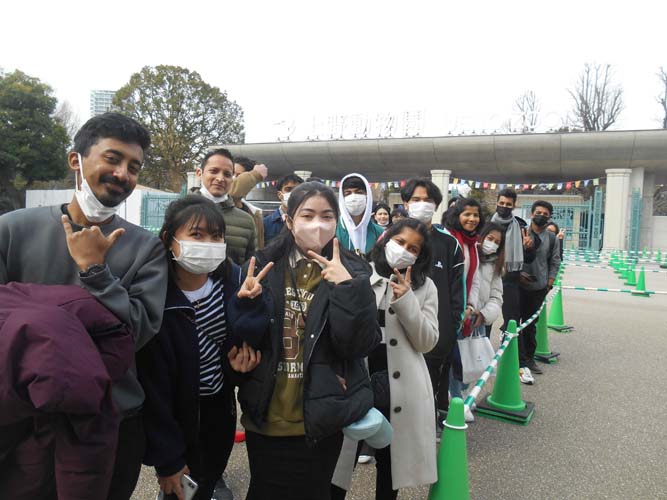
(313, 235)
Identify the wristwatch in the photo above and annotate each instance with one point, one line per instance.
(92, 270)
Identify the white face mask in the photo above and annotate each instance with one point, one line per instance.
(313, 235)
(199, 257)
(397, 256)
(421, 210)
(489, 247)
(91, 207)
(285, 197)
(355, 203)
(207, 194)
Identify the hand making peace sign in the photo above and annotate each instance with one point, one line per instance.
(252, 287)
(404, 284)
(334, 271)
(527, 240)
(88, 246)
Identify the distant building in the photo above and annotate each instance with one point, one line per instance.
(100, 101)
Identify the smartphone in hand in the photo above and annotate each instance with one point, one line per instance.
(189, 489)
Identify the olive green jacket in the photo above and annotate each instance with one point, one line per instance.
(241, 235)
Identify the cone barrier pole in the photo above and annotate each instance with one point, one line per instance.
(542, 352)
(556, 321)
(505, 402)
(631, 279)
(452, 481)
(640, 291)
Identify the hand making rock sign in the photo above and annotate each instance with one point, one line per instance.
(334, 271)
(88, 246)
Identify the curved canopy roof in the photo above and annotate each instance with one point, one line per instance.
(495, 158)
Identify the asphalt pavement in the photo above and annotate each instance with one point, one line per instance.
(600, 424)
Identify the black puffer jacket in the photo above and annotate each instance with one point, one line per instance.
(341, 329)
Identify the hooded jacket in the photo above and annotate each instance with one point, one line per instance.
(359, 238)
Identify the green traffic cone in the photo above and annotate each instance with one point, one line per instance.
(618, 266)
(630, 277)
(640, 291)
(658, 257)
(623, 272)
(542, 352)
(556, 321)
(644, 253)
(664, 263)
(505, 402)
(452, 481)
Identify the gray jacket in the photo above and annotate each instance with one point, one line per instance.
(546, 263)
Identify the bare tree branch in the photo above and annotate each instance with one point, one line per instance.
(527, 107)
(597, 100)
(662, 98)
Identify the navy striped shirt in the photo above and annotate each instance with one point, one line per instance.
(211, 332)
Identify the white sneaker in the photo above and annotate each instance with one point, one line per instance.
(365, 459)
(525, 376)
(468, 416)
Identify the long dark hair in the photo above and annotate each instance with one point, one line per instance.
(420, 268)
(282, 245)
(193, 208)
(384, 206)
(450, 219)
(500, 253)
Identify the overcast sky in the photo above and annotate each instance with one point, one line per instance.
(462, 64)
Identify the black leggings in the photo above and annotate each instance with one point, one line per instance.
(217, 427)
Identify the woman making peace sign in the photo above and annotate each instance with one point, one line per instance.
(311, 380)
(188, 369)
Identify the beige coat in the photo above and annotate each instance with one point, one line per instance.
(411, 329)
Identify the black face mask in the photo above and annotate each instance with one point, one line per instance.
(540, 220)
(504, 212)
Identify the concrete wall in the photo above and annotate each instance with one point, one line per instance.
(130, 209)
(659, 233)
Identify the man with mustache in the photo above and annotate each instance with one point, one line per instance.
(84, 243)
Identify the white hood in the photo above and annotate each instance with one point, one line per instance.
(357, 233)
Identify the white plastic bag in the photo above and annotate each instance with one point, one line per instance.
(476, 354)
